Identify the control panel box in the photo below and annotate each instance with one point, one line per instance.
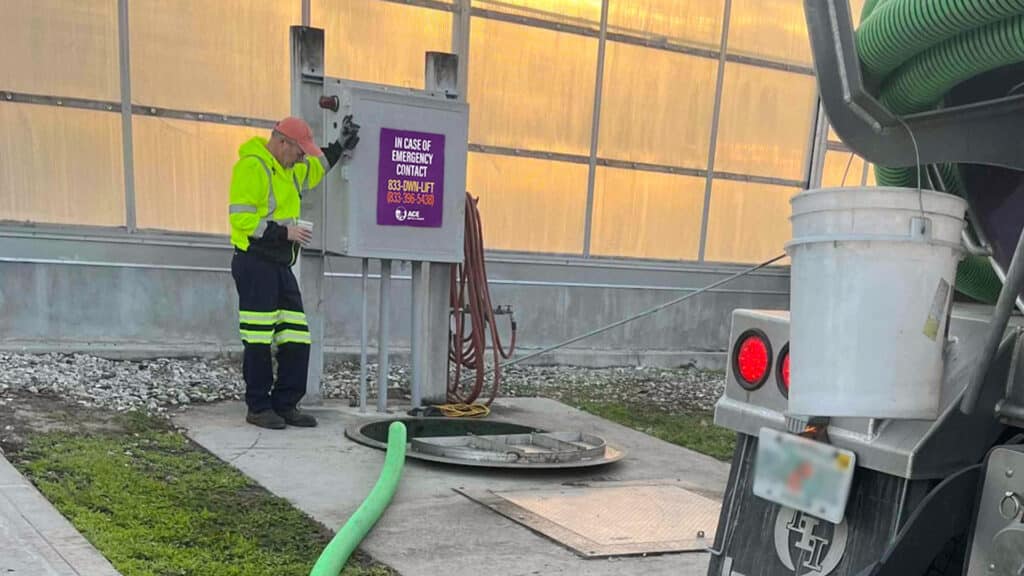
(401, 194)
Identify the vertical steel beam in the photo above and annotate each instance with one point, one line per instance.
(384, 336)
(444, 74)
(307, 69)
(715, 115)
(364, 321)
(595, 128)
(460, 44)
(127, 146)
(418, 337)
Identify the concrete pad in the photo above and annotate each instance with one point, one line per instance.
(35, 539)
(430, 529)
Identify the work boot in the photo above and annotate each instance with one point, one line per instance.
(265, 419)
(296, 418)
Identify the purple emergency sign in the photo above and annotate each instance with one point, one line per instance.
(410, 178)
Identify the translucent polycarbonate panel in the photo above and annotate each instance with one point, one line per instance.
(856, 7)
(529, 205)
(380, 42)
(765, 123)
(60, 48)
(770, 29)
(656, 106)
(228, 57)
(747, 222)
(61, 165)
(832, 136)
(183, 173)
(530, 88)
(581, 12)
(646, 214)
(690, 22)
(842, 169)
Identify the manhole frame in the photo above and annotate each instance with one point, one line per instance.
(354, 432)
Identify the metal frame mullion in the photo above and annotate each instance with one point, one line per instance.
(713, 144)
(194, 116)
(595, 129)
(819, 146)
(127, 146)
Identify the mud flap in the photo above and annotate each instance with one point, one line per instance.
(756, 537)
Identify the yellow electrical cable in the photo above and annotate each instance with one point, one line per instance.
(463, 410)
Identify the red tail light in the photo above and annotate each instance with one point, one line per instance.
(752, 359)
(783, 376)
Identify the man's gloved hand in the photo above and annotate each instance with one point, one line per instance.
(344, 145)
(333, 152)
(349, 133)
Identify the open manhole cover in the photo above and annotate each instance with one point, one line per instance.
(488, 443)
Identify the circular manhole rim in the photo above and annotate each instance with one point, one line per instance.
(355, 433)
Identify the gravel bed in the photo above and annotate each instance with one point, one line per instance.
(162, 384)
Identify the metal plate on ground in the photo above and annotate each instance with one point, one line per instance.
(450, 441)
(532, 448)
(803, 474)
(612, 518)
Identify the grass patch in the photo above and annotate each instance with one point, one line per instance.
(155, 504)
(691, 430)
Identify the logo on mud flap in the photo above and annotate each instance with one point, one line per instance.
(806, 545)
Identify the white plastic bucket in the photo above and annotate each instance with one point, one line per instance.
(872, 279)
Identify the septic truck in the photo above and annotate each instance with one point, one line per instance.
(880, 419)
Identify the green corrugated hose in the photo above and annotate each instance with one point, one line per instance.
(918, 50)
(337, 552)
(897, 30)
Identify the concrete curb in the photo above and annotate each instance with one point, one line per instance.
(35, 539)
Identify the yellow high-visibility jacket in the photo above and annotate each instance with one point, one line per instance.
(266, 197)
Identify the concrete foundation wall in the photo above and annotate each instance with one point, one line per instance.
(164, 295)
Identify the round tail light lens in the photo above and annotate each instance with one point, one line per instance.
(783, 376)
(752, 359)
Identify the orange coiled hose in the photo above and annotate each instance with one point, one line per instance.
(470, 296)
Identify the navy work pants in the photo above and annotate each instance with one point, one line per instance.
(270, 314)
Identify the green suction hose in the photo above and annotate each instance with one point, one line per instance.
(918, 50)
(337, 552)
(897, 30)
(921, 83)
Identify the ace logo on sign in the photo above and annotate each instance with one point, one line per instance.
(410, 178)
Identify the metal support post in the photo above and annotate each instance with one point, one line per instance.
(460, 45)
(418, 337)
(435, 382)
(383, 337)
(444, 74)
(363, 323)
(307, 51)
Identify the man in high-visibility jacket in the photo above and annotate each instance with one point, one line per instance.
(267, 184)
